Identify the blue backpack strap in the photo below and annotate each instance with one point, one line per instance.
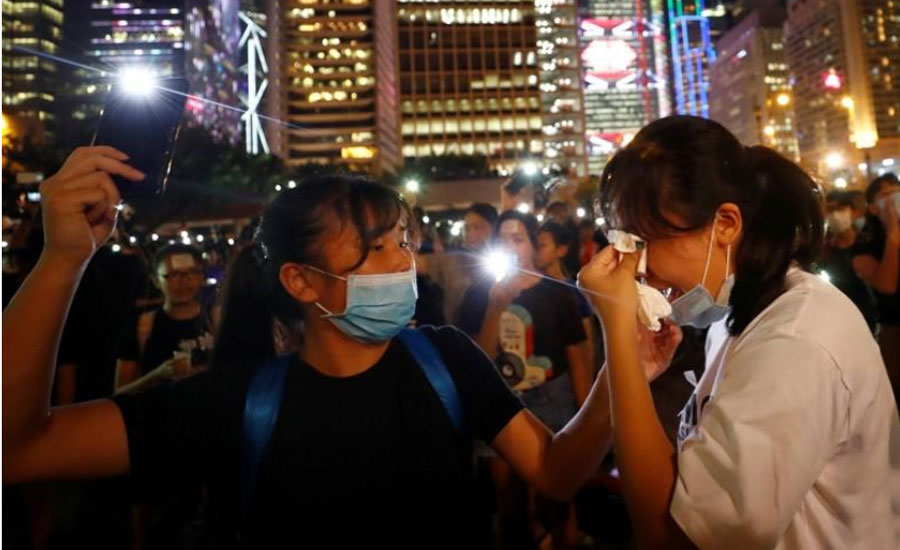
(260, 413)
(432, 364)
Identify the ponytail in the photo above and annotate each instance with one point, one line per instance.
(783, 225)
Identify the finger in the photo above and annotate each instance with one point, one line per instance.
(629, 262)
(108, 151)
(106, 164)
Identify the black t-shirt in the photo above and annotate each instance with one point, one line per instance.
(544, 321)
(870, 242)
(370, 460)
(169, 335)
(839, 266)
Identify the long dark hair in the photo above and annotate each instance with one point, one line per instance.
(689, 166)
(294, 228)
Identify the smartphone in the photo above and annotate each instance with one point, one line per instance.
(144, 126)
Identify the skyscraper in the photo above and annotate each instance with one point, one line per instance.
(750, 92)
(322, 64)
(30, 80)
(692, 53)
(625, 72)
(469, 80)
(844, 60)
(562, 99)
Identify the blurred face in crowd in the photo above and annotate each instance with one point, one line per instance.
(180, 278)
(547, 251)
(884, 195)
(514, 237)
(478, 231)
(840, 220)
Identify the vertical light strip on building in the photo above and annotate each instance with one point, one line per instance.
(692, 53)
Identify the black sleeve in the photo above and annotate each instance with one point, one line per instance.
(488, 403)
(183, 431)
(871, 241)
(472, 309)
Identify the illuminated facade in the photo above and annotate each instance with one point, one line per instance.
(31, 82)
(750, 91)
(625, 66)
(844, 61)
(469, 80)
(323, 83)
(692, 49)
(257, 70)
(562, 100)
(212, 61)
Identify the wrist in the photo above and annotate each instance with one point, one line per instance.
(64, 264)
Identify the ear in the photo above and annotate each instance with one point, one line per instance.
(293, 279)
(562, 251)
(729, 223)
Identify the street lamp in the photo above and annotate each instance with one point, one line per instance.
(412, 186)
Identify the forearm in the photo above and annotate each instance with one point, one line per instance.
(143, 383)
(888, 269)
(577, 450)
(489, 335)
(65, 384)
(32, 327)
(580, 375)
(646, 458)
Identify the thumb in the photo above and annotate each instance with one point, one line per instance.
(629, 263)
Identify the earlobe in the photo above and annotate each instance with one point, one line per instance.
(295, 283)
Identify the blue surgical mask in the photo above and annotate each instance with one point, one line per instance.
(696, 308)
(378, 306)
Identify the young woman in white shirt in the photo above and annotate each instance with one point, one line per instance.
(791, 438)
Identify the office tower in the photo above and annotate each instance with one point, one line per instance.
(32, 30)
(750, 92)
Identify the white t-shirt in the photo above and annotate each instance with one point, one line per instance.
(796, 443)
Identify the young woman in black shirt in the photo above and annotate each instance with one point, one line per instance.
(363, 450)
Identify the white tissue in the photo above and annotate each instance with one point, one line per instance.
(652, 306)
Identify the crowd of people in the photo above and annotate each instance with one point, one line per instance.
(362, 380)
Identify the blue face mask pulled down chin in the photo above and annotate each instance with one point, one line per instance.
(378, 306)
(697, 308)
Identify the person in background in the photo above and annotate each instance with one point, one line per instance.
(587, 242)
(561, 213)
(533, 328)
(876, 259)
(837, 262)
(174, 341)
(454, 272)
(552, 246)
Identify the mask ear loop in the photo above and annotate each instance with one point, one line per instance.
(712, 237)
(317, 304)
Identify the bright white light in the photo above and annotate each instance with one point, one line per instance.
(530, 168)
(186, 240)
(230, 242)
(292, 184)
(600, 221)
(834, 160)
(278, 187)
(132, 239)
(523, 208)
(5, 244)
(211, 280)
(154, 237)
(456, 229)
(199, 238)
(412, 186)
(426, 219)
(171, 241)
(887, 162)
(861, 166)
(825, 276)
(185, 235)
(138, 81)
(840, 183)
(499, 264)
(540, 218)
(581, 212)
(116, 248)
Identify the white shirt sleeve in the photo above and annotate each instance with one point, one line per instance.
(778, 415)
